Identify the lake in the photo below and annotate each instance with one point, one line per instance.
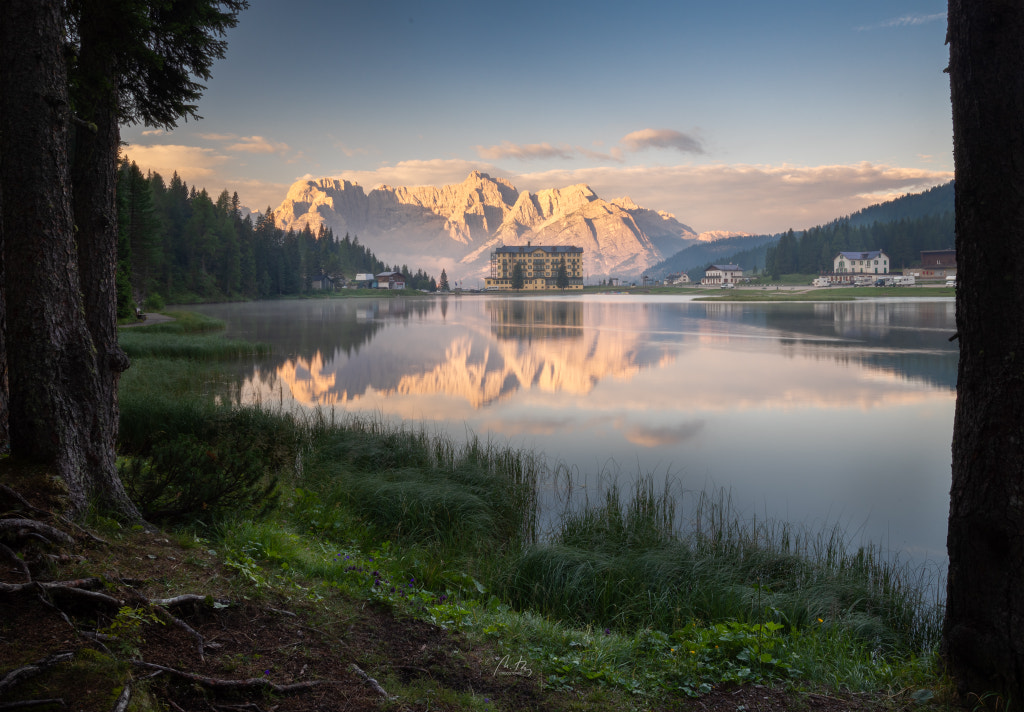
(812, 413)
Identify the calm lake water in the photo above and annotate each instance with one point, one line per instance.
(813, 413)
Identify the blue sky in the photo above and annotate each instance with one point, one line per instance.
(731, 115)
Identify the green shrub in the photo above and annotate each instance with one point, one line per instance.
(154, 302)
(186, 479)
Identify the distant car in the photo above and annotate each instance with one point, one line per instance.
(727, 285)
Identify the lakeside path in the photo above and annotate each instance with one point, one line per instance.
(150, 319)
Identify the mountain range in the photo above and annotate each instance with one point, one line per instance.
(455, 227)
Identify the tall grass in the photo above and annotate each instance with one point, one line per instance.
(422, 489)
(634, 561)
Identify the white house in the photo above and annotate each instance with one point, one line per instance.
(874, 262)
(682, 278)
(722, 274)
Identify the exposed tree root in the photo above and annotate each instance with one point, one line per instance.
(21, 528)
(23, 673)
(254, 683)
(86, 596)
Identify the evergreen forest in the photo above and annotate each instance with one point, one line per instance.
(177, 244)
(902, 240)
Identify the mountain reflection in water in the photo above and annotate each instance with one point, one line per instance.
(807, 410)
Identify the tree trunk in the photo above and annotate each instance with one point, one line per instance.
(94, 187)
(54, 381)
(983, 640)
(5, 434)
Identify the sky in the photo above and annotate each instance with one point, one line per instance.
(732, 115)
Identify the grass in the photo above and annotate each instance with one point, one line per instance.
(632, 592)
(830, 294)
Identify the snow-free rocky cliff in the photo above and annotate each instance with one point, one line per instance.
(455, 227)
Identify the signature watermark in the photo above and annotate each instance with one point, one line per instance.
(507, 667)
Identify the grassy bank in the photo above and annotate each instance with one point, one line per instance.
(829, 294)
(627, 599)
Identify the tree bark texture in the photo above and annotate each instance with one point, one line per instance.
(983, 641)
(54, 381)
(94, 187)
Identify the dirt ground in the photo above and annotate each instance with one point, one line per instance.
(225, 649)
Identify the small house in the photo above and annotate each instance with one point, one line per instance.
(390, 280)
(717, 275)
(323, 282)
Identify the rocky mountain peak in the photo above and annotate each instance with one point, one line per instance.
(455, 226)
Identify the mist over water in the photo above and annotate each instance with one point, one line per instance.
(813, 413)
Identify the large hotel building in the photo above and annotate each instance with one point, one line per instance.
(540, 265)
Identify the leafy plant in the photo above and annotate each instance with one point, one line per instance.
(126, 629)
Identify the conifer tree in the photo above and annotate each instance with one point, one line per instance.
(562, 281)
(517, 276)
(443, 284)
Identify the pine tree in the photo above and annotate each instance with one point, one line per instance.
(562, 280)
(517, 276)
(443, 284)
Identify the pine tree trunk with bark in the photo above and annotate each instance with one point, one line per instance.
(54, 384)
(94, 163)
(983, 641)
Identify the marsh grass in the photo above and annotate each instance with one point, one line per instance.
(425, 489)
(643, 560)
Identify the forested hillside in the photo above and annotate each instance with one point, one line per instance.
(935, 201)
(177, 244)
(903, 240)
(902, 228)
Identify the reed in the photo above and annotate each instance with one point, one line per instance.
(635, 561)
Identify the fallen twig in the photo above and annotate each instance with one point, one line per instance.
(183, 599)
(371, 682)
(123, 699)
(255, 683)
(31, 703)
(196, 635)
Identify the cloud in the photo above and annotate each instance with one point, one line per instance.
(258, 194)
(507, 149)
(661, 138)
(247, 144)
(345, 148)
(192, 163)
(749, 198)
(635, 141)
(904, 21)
(409, 173)
(258, 144)
(205, 168)
(660, 436)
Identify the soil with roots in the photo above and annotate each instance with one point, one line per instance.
(137, 620)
